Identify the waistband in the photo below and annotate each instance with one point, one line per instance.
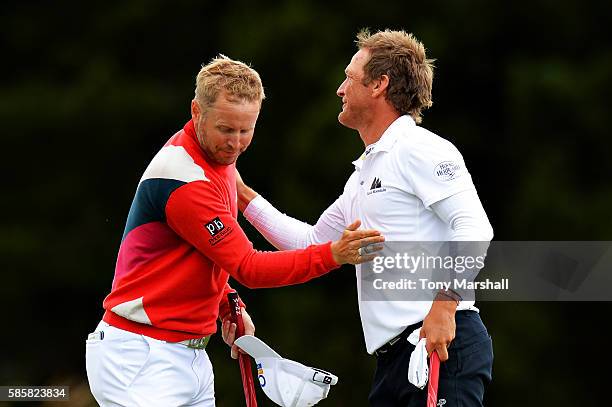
(403, 336)
(106, 330)
(149, 330)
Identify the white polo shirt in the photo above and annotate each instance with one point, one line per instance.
(394, 183)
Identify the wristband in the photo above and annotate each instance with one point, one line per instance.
(451, 294)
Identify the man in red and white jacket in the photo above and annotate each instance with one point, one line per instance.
(181, 243)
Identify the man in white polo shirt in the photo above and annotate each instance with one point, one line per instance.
(412, 186)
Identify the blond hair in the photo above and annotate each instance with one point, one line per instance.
(236, 78)
(402, 58)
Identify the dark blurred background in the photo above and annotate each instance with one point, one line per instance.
(89, 91)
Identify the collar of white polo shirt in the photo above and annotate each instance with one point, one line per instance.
(387, 140)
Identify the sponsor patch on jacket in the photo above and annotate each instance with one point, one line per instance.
(447, 170)
(217, 230)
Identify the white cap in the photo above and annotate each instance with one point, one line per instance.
(285, 382)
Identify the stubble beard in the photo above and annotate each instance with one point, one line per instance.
(228, 161)
(217, 157)
(207, 151)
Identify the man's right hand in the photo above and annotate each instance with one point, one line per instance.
(346, 250)
(228, 331)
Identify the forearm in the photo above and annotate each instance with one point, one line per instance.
(469, 223)
(282, 231)
(277, 269)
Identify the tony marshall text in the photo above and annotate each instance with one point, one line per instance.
(425, 284)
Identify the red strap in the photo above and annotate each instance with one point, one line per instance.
(434, 374)
(246, 371)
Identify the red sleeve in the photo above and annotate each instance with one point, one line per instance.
(224, 307)
(197, 212)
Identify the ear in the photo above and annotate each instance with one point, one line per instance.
(380, 86)
(196, 111)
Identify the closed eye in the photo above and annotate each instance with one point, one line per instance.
(225, 129)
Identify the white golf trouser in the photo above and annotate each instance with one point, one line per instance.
(127, 369)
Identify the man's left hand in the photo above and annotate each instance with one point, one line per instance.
(439, 327)
(228, 331)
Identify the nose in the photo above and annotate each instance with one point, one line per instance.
(340, 91)
(233, 141)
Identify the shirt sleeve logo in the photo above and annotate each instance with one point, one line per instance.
(215, 226)
(447, 170)
(217, 230)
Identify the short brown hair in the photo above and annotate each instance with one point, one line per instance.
(402, 57)
(222, 73)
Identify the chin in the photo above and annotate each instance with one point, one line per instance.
(225, 160)
(346, 122)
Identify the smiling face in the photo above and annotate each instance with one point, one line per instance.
(225, 129)
(356, 97)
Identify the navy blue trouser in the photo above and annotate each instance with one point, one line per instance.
(463, 377)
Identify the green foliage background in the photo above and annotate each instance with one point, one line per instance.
(89, 92)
